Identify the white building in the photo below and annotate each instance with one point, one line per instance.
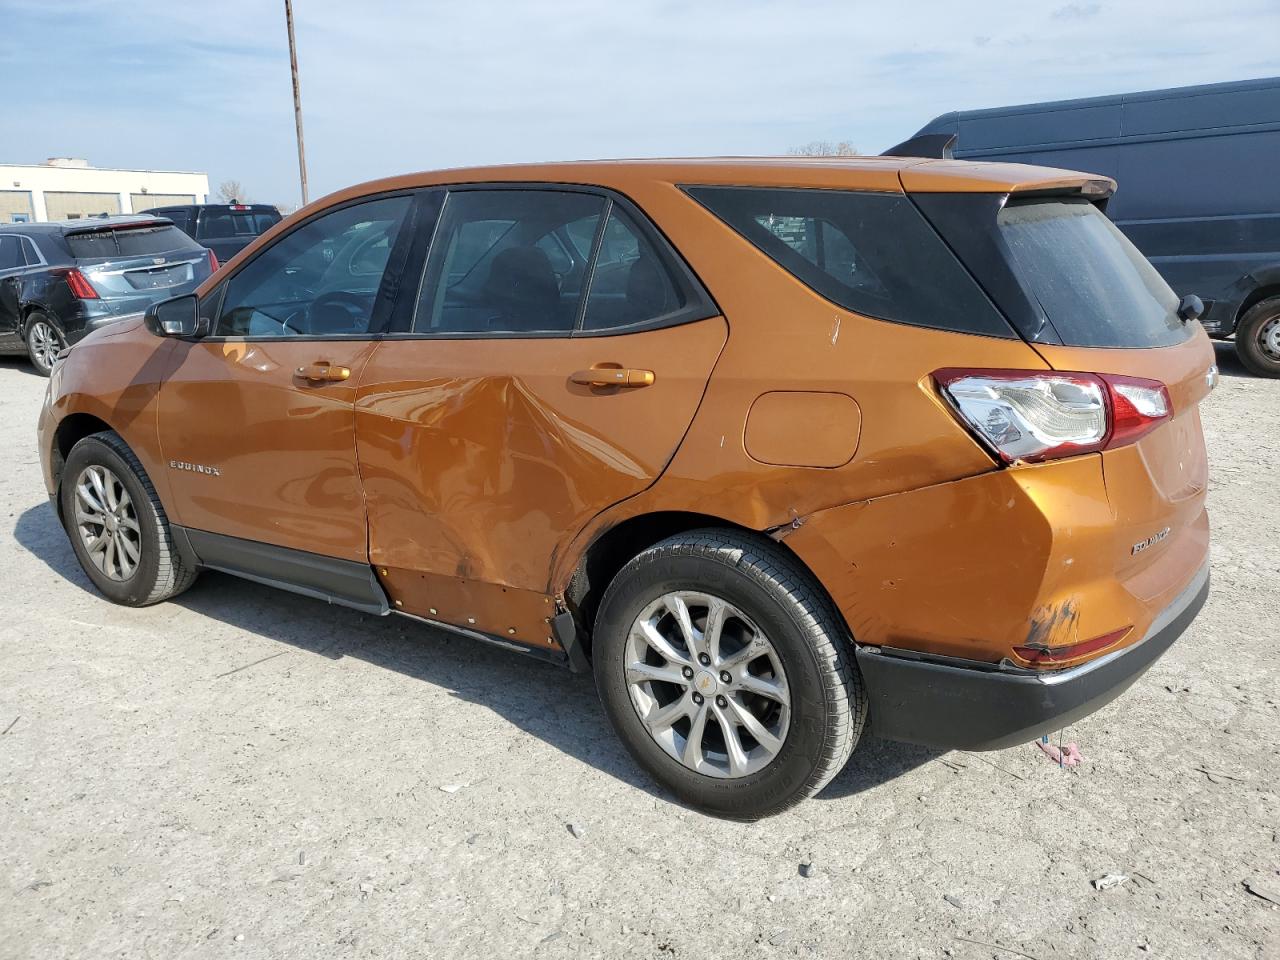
(63, 188)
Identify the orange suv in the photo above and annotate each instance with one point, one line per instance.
(778, 449)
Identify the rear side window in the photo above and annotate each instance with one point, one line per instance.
(503, 262)
(871, 253)
(1093, 285)
(181, 218)
(129, 242)
(630, 284)
(11, 253)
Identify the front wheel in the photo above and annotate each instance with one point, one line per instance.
(1258, 338)
(727, 673)
(44, 343)
(117, 526)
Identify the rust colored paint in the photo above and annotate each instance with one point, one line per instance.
(283, 445)
(476, 473)
(961, 569)
(118, 382)
(519, 616)
(801, 428)
(480, 458)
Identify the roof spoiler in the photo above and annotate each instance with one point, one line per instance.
(932, 146)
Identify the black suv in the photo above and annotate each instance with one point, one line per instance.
(225, 228)
(61, 281)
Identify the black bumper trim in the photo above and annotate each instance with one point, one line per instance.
(978, 708)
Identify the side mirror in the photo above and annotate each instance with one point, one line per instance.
(1191, 308)
(179, 317)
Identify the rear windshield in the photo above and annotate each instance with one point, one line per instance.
(128, 242)
(1093, 285)
(871, 253)
(225, 224)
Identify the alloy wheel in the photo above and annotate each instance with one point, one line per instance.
(44, 342)
(707, 684)
(107, 522)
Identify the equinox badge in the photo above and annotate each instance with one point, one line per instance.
(1151, 541)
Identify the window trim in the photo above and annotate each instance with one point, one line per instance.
(384, 301)
(699, 304)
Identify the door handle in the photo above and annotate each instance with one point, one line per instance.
(602, 376)
(324, 372)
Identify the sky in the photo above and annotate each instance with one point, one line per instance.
(392, 87)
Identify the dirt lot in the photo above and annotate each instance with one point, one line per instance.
(250, 774)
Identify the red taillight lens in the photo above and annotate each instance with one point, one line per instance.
(1036, 415)
(80, 286)
(1043, 656)
(213, 262)
(1137, 407)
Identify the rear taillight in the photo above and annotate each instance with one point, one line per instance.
(80, 286)
(213, 261)
(1036, 415)
(1045, 656)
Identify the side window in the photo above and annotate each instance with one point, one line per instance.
(872, 253)
(10, 253)
(319, 280)
(503, 261)
(29, 250)
(630, 283)
(181, 218)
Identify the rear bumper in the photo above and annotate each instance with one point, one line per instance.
(959, 704)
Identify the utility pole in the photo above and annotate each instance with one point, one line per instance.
(297, 99)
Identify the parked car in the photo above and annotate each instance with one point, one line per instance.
(776, 448)
(60, 281)
(225, 228)
(1198, 191)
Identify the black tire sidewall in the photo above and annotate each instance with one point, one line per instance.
(137, 590)
(780, 619)
(1247, 347)
(39, 317)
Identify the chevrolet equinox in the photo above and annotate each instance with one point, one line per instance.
(780, 450)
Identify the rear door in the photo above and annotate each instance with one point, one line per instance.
(12, 264)
(558, 352)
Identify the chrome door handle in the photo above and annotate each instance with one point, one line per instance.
(613, 377)
(322, 371)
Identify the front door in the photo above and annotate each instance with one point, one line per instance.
(256, 421)
(559, 352)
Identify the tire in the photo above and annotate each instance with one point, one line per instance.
(154, 570)
(1258, 338)
(765, 594)
(44, 342)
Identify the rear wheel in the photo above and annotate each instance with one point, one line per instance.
(44, 343)
(1258, 338)
(117, 526)
(727, 673)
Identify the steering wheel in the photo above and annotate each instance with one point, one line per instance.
(355, 306)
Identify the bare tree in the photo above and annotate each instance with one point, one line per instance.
(232, 191)
(825, 148)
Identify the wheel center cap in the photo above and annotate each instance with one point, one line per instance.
(705, 683)
(111, 524)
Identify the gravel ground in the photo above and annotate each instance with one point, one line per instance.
(246, 773)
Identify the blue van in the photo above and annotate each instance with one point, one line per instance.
(1198, 174)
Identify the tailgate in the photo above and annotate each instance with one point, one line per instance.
(1156, 486)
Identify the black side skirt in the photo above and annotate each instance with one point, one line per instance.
(345, 582)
